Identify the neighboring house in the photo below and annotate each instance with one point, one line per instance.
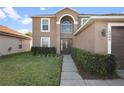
(103, 34)
(12, 41)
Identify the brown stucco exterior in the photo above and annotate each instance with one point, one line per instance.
(37, 34)
(54, 34)
(85, 39)
(93, 35)
(101, 43)
(89, 39)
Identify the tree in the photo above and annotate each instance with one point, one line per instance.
(29, 34)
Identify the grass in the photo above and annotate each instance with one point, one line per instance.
(25, 69)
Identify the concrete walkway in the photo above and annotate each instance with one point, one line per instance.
(121, 73)
(70, 76)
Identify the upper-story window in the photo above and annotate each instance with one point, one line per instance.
(45, 25)
(83, 20)
(66, 26)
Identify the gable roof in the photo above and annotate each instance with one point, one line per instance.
(53, 15)
(9, 32)
(80, 15)
(44, 15)
(68, 9)
(93, 18)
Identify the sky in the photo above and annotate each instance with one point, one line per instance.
(18, 18)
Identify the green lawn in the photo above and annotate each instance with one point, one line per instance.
(25, 69)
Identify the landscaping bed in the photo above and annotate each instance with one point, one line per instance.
(25, 69)
(94, 66)
(87, 75)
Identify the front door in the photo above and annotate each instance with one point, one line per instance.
(66, 46)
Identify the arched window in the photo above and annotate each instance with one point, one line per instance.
(66, 25)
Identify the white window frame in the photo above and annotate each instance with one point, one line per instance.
(59, 21)
(45, 38)
(82, 20)
(69, 31)
(110, 25)
(48, 25)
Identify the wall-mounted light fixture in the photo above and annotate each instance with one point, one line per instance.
(103, 33)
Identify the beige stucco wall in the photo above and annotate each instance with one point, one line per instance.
(37, 34)
(66, 35)
(79, 22)
(26, 45)
(7, 42)
(91, 39)
(59, 16)
(54, 33)
(85, 39)
(67, 11)
(100, 41)
(36, 31)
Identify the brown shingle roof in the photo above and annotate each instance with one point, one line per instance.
(7, 31)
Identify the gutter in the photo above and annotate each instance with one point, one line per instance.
(92, 19)
(16, 36)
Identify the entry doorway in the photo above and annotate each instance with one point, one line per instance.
(66, 46)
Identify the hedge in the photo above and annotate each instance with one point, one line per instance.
(95, 63)
(43, 51)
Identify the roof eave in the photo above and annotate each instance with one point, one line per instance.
(107, 17)
(66, 8)
(17, 36)
(93, 18)
(88, 22)
(41, 16)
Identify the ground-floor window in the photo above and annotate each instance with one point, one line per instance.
(45, 41)
(20, 46)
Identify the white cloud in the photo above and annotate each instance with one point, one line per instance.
(26, 21)
(26, 15)
(122, 12)
(42, 8)
(23, 30)
(2, 14)
(12, 13)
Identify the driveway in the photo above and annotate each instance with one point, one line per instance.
(71, 77)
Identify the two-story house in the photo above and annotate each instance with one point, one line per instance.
(56, 30)
(67, 28)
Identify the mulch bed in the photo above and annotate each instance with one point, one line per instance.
(86, 75)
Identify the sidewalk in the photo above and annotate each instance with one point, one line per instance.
(70, 76)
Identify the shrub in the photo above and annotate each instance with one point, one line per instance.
(43, 51)
(95, 63)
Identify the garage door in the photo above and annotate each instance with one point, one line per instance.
(118, 45)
